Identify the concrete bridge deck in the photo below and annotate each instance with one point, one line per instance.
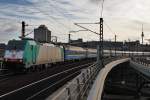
(97, 88)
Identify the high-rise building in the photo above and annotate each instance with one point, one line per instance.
(42, 34)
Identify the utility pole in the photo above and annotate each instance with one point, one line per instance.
(100, 46)
(23, 29)
(69, 38)
(100, 34)
(101, 42)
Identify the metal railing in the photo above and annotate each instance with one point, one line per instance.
(79, 87)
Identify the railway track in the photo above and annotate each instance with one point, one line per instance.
(42, 88)
(5, 74)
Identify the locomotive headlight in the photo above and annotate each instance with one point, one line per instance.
(20, 60)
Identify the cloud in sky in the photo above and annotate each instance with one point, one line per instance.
(123, 16)
(15, 2)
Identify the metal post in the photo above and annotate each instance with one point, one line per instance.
(69, 93)
(23, 29)
(78, 89)
(83, 76)
(101, 42)
(69, 37)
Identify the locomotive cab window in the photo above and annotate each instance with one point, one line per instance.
(16, 45)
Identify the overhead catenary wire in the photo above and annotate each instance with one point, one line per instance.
(10, 19)
(58, 11)
(48, 16)
(53, 18)
(50, 23)
(102, 8)
(109, 28)
(78, 24)
(43, 12)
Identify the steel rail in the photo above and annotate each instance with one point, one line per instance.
(38, 93)
(34, 83)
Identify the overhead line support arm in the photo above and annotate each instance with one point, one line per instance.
(77, 24)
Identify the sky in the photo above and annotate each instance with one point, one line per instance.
(121, 17)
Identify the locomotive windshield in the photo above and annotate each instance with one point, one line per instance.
(16, 45)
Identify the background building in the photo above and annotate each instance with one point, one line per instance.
(42, 34)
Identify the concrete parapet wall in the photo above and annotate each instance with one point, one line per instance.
(88, 85)
(97, 88)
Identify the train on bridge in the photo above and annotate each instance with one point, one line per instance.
(28, 53)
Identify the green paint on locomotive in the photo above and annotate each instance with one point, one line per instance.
(31, 52)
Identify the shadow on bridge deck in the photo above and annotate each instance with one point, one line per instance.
(118, 81)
